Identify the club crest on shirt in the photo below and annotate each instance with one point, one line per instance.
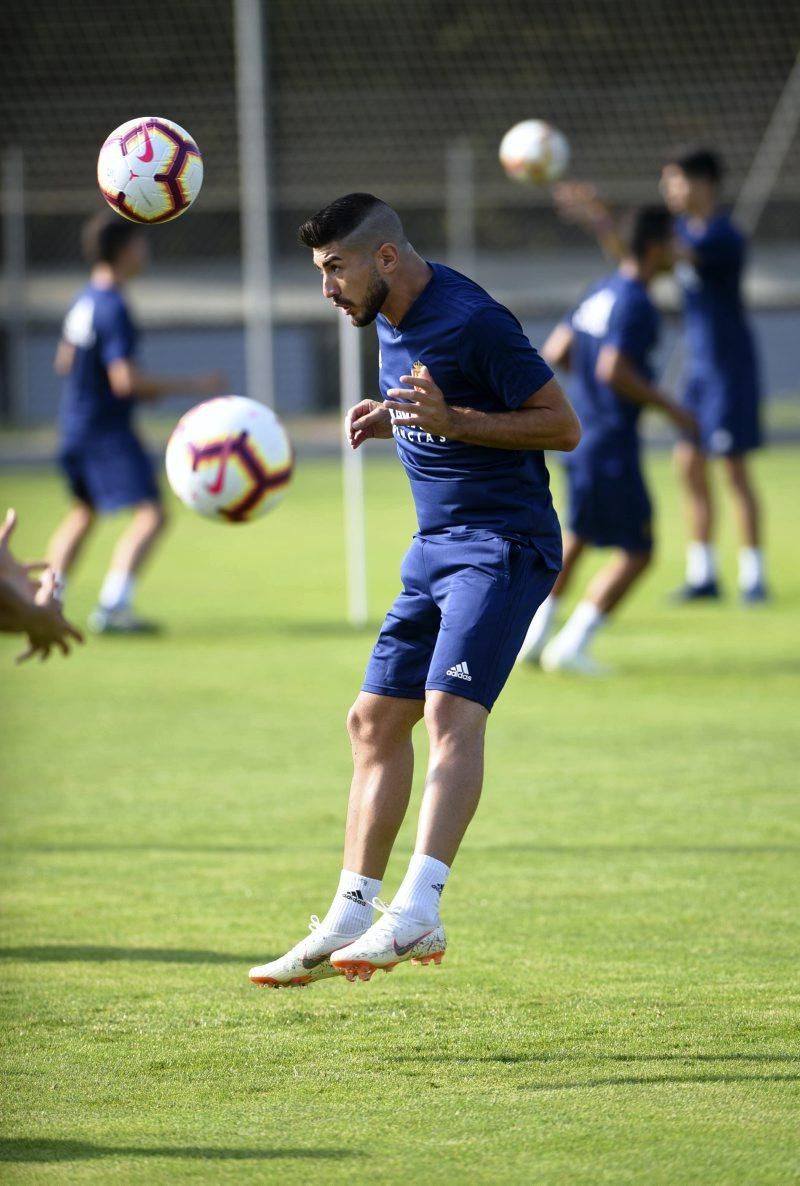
(414, 436)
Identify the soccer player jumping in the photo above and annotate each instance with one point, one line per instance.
(471, 406)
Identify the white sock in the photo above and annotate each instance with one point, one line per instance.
(751, 568)
(421, 889)
(60, 585)
(584, 622)
(540, 628)
(701, 563)
(117, 590)
(350, 912)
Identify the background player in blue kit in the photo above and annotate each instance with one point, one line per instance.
(105, 464)
(607, 344)
(722, 382)
(471, 406)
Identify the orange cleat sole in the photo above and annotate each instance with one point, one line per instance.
(363, 970)
(435, 957)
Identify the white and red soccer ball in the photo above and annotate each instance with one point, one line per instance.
(230, 458)
(534, 152)
(150, 170)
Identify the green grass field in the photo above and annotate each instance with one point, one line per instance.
(620, 998)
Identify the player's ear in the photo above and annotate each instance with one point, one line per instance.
(387, 258)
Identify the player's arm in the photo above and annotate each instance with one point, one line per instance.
(579, 202)
(129, 381)
(65, 356)
(558, 347)
(617, 370)
(543, 421)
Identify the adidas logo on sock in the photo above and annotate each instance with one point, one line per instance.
(460, 671)
(439, 887)
(357, 897)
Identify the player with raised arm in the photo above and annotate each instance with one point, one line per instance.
(105, 464)
(606, 344)
(471, 406)
(722, 384)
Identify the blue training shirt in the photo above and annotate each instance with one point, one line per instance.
(719, 342)
(99, 327)
(616, 311)
(478, 355)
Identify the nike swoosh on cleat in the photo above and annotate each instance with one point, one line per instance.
(404, 948)
(315, 963)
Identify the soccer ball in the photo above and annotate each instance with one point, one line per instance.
(230, 458)
(150, 170)
(534, 152)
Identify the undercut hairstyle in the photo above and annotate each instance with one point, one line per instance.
(105, 236)
(699, 164)
(361, 219)
(646, 226)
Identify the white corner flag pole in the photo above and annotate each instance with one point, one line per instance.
(352, 477)
(254, 185)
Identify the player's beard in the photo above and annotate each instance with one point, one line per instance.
(374, 300)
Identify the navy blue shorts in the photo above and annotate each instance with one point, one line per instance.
(609, 505)
(110, 471)
(729, 416)
(467, 601)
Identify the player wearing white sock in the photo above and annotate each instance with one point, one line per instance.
(349, 915)
(410, 928)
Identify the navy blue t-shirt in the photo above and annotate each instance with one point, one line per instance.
(719, 342)
(100, 329)
(616, 311)
(478, 355)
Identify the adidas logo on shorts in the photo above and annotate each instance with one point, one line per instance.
(460, 671)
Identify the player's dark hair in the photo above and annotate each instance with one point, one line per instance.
(105, 235)
(347, 214)
(645, 226)
(699, 164)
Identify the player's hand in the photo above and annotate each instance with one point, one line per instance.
(685, 422)
(211, 383)
(46, 626)
(366, 420)
(20, 576)
(579, 202)
(421, 405)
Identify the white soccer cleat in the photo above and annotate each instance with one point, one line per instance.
(308, 960)
(388, 942)
(122, 620)
(557, 658)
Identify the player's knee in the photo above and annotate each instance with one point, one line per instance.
(453, 721)
(364, 725)
(152, 517)
(82, 517)
(378, 723)
(737, 475)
